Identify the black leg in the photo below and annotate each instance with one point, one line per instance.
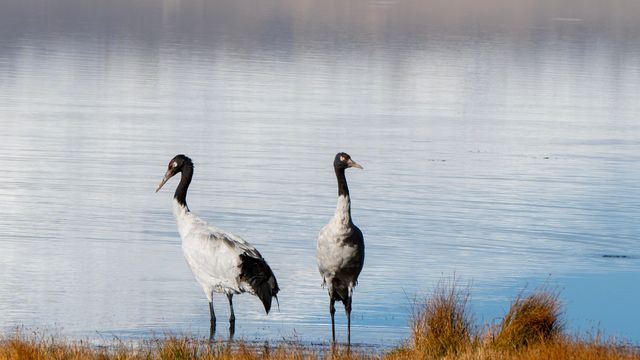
(232, 317)
(332, 311)
(212, 329)
(347, 309)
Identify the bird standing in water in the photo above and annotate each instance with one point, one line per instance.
(220, 261)
(340, 250)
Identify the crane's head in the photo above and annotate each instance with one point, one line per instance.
(175, 166)
(343, 161)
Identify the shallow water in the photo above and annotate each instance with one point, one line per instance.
(500, 144)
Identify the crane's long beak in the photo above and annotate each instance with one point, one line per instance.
(166, 177)
(354, 164)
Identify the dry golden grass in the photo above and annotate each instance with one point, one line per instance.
(532, 329)
(531, 319)
(36, 347)
(442, 328)
(561, 349)
(442, 325)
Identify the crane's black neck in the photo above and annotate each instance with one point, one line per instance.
(343, 189)
(343, 208)
(183, 186)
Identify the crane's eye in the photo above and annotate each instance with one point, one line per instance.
(173, 164)
(344, 158)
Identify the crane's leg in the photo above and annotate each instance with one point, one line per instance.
(212, 329)
(232, 317)
(347, 310)
(332, 311)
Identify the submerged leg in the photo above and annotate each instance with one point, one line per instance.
(232, 317)
(347, 310)
(332, 311)
(212, 329)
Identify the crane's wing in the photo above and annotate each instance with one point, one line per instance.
(255, 274)
(213, 259)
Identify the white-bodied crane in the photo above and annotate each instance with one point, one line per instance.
(220, 261)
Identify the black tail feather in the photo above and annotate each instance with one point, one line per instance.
(257, 273)
(340, 292)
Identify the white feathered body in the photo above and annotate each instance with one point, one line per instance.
(213, 254)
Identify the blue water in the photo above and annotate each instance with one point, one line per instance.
(500, 145)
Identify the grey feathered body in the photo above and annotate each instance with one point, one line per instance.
(340, 252)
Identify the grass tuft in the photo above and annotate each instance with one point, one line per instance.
(532, 319)
(442, 325)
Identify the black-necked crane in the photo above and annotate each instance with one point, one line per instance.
(220, 261)
(340, 250)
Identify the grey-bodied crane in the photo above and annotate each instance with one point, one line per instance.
(340, 250)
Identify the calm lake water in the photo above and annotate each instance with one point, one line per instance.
(500, 143)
